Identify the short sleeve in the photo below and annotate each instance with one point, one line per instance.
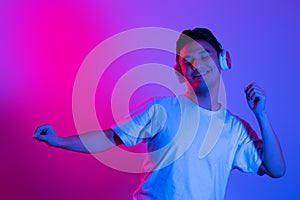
(249, 150)
(143, 124)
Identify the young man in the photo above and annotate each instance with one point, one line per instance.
(193, 141)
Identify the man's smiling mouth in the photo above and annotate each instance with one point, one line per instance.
(200, 74)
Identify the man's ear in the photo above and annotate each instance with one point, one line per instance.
(179, 73)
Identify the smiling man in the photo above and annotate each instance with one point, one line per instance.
(193, 141)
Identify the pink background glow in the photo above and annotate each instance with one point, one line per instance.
(43, 44)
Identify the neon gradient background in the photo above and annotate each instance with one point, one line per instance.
(43, 44)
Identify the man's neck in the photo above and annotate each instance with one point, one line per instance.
(206, 100)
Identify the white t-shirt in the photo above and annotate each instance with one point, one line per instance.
(191, 150)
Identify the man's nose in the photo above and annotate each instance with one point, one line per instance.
(198, 65)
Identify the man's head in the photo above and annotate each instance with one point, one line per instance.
(196, 34)
(197, 58)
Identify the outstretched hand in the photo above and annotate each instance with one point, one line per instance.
(256, 98)
(47, 134)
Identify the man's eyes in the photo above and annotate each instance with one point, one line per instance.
(203, 57)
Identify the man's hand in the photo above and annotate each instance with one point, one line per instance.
(46, 134)
(256, 98)
(90, 142)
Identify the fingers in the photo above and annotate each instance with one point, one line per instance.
(46, 134)
(256, 98)
(254, 91)
(42, 131)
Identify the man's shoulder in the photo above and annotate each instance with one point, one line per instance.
(235, 120)
(240, 122)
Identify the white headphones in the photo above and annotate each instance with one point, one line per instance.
(225, 63)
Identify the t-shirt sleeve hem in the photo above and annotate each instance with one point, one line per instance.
(122, 135)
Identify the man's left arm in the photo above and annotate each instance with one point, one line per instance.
(273, 162)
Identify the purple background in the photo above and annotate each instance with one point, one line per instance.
(43, 45)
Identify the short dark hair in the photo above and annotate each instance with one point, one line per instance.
(196, 34)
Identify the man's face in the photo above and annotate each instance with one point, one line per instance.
(200, 65)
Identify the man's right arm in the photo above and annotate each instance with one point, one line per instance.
(90, 142)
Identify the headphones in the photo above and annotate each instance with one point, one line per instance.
(224, 59)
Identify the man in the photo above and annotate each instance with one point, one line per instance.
(193, 141)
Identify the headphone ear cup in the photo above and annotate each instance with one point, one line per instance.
(223, 61)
